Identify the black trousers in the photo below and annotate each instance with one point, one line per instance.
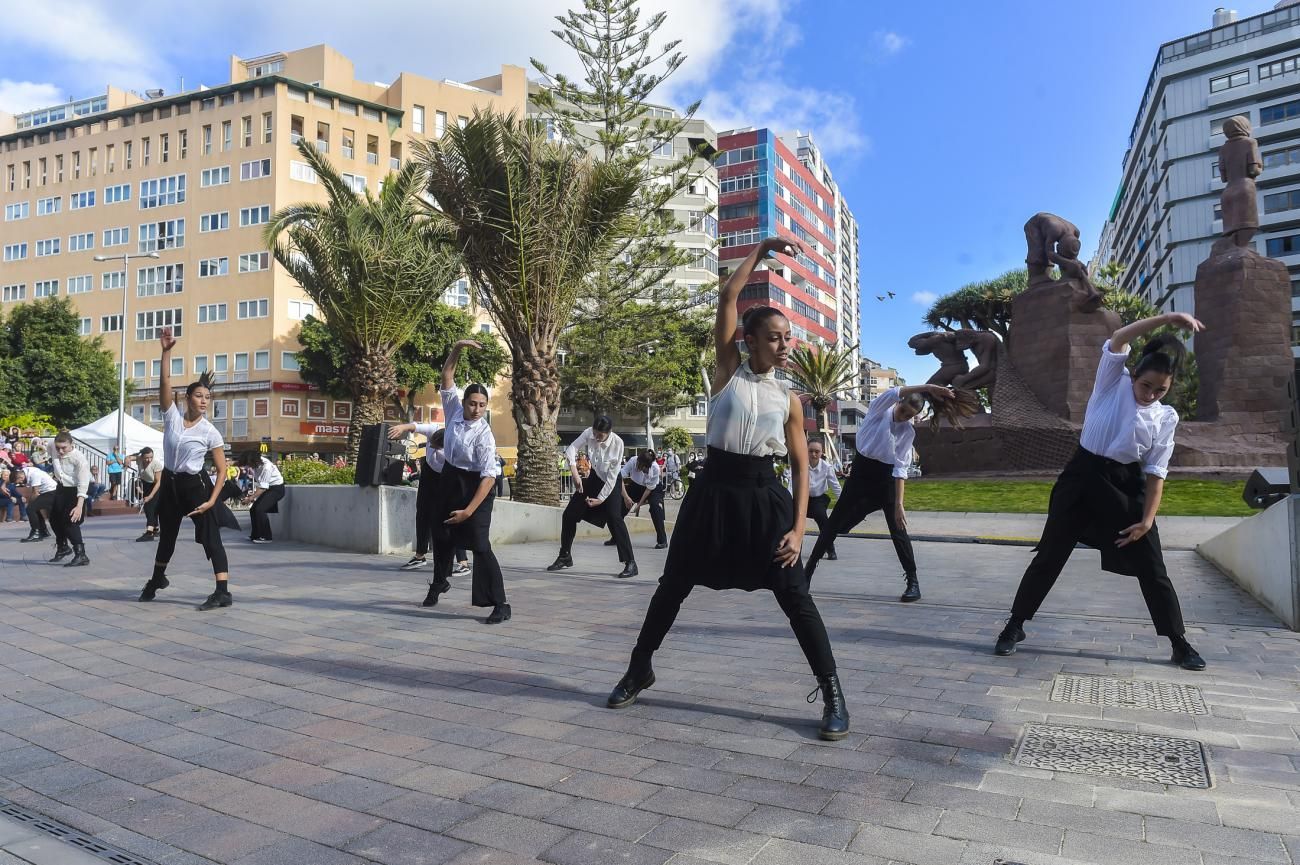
(608, 513)
(67, 531)
(870, 488)
(1054, 549)
(261, 507)
(817, 510)
(43, 502)
(796, 603)
(656, 504)
(455, 489)
(425, 491)
(151, 512)
(179, 495)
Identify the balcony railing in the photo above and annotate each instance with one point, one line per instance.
(322, 145)
(372, 158)
(348, 152)
(394, 163)
(295, 137)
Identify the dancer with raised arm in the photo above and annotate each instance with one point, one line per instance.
(189, 438)
(738, 527)
(1108, 495)
(465, 492)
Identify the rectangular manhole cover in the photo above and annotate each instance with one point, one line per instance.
(1161, 759)
(1129, 694)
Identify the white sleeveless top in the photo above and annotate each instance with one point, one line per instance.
(748, 415)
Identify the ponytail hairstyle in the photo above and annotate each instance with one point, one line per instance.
(602, 424)
(436, 440)
(1163, 354)
(644, 460)
(472, 389)
(206, 379)
(963, 404)
(755, 316)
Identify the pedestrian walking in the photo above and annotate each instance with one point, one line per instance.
(879, 476)
(268, 489)
(595, 500)
(1109, 493)
(425, 492)
(187, 491)
(68, 510)
(643, 483)
(821, 483)
(738, 527)
(465, 493)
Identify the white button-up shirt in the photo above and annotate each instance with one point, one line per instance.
(184, 448)
(469, 446)
(434, 458)
(748, 415)
(821, 477)
(38, 480)
(266, 475)
(72, 471)
(606, 457)
(1117, 428)
(648, 479)
(883, 439)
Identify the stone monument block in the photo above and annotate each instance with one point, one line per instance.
(1054, 344)
(1244, 354)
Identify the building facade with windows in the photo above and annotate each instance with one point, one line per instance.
(1165, 216)
(195, 177)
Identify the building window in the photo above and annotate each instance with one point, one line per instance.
(300, 309)
(200, 364)
(81, 242)
(289, 408)
(207, 140)
(47, 247)
(47, 206)
(162, 279)
(268, 127)
(15, 251)
(417, 119)
(17, 211)
(113, 280)
(150, 322)
(80, 284)
(162, 191)
(1232, 79)
(301, 171)
(255, 169)
(212, 312)
(241, 361)
(213, 267)
(215, 176)
(261, 408)
(457, 294)
(83, 327)
(246, 130)
(226, 136)
(1286, 245)
(214, 222)
(701, 407)
(1279, 113)
(159, 236)
(253, 308)
(81, 200)
(355, 182)
(252, 262)
(177, 366)
(117, 236)
(110, 323)
(289, 361)
(254, 215)
(439, 124)
(1280, 201)
(11, 293)
(261, 360)
(1277, 67)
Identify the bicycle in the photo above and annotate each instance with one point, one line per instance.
(675, 488)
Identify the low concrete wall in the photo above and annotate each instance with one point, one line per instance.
(382, 519)
(1260, 555)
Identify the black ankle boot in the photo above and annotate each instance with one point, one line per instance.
(79, 557)
(629, 570)
(913, 590)
(62, 552)
(1013, 633)
(152, 587)
(217, 599)
(564, 560)
(625, 692)
(500, 613)
(33, 536)
(436, 588)
(1185, 656)
(835, 714)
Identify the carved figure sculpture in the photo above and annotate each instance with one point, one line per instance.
(985, 345)
(1052, 240)
(941, 344)
(1239, 165)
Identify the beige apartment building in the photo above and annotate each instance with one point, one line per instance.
(194, 177)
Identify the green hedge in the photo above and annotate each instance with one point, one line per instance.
(315, 472)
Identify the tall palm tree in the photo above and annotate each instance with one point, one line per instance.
(374, 265)
(532, 220)
(821, 374)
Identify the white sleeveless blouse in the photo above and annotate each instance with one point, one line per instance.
(748, 415)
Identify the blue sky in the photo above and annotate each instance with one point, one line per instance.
(947, 124)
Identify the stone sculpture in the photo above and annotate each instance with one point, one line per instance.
(1239, 165)
(1052, 240)
(985, 346)
(942, 344)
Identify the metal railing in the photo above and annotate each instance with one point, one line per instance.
(98, 459)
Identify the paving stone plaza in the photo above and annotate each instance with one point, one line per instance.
(327, 718)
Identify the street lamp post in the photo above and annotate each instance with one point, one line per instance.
(121, 357)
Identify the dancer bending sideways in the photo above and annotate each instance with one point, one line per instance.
(462, 505)
(1108, 495)
(598, 497)
(879, 475)
(738, 527)
(187, 491)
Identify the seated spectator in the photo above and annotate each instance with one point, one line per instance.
(94, 491)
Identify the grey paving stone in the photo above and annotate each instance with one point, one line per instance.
(517, 799)
(992, 830)
(393, 844)
(781, 852)
(815, 829)
(1260, 846)
(1098, 848)
(509, 832)
(580, 848)
(714, 843)
(223, 838)
(911, 847)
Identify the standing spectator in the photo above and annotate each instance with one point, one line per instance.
(115, 465)
(501, 467)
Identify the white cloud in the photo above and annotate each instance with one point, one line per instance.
(19, 96)
(887, 43)
(831, 117)
(89, 47)
(924, 298)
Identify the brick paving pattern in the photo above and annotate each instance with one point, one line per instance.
(326, 718)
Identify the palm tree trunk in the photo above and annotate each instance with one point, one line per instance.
(366, 410)
(535, 391)
(374, 380)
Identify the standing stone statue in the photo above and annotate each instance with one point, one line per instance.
(1052, 240)
(941, 344)
(1239, 165)
(985, 346)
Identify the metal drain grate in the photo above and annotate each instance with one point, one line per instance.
(1129, 694)
(68, 835)
(1161, 759)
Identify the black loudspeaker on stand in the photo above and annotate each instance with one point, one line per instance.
(379, 461)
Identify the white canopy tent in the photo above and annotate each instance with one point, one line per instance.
(102, 435)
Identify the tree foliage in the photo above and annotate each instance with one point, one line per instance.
(821, 374)
(984, 305)
(374, 265)
(532, 219)
(417, 363)
(48, 368)
(678, 439)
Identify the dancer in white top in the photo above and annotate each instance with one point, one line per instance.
(39, 490)
(821, 482)
(1108, 495)
(596, 500)
(148, 466)
(642, 483)
(738, 527)
(425, 490)
(188, 439)
(72, 474)
(268, 489)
